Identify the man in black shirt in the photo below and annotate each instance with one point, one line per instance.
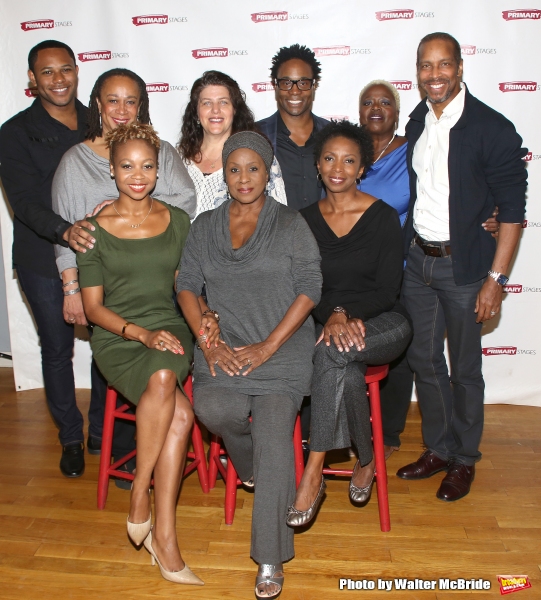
(295, 74)
(31, 146)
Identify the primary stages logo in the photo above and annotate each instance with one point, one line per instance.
(263, 86)
(157, 20)
(332, 50)
(402, 85)
(506, 350)
(43, 24)
(518, 288)
(95, 55)
(273, 15)
(522, 13)
(518, 86)
(396, 13)
(157, 87)
(471, 50)
(210, 53)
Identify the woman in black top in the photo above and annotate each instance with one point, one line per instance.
(360, 319)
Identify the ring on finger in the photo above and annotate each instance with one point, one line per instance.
(162, 343)
(492, 312)
(216, 361)
(249, 362)
(341, 333)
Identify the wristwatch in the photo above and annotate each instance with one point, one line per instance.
(341, 309)
(498, 277)
(213, 313)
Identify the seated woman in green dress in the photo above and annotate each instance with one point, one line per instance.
(140, 343)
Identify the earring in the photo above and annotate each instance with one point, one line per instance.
(227, 196)
(198, 122)
(396, 126)
(101, 126)
(318, 176)
(358, 180)
(157, 176)
(112, 176)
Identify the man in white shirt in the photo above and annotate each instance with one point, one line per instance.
(464, 160)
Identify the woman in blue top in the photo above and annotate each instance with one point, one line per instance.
(388, 179)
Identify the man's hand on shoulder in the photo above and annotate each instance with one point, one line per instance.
(77, 236)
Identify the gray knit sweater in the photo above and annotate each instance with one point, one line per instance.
(251, 289)
(83, 180)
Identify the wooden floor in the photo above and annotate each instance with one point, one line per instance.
(55, 544)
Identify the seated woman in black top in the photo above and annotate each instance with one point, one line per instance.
(360, 320)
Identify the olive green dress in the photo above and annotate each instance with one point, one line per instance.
(138, 278)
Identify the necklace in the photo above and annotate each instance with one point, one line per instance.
(212, 162)
(138, 224)
(381, 153)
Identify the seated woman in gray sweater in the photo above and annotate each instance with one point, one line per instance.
(260, 265)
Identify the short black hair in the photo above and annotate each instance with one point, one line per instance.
(446, 37)
(33, 54)
(295, 51)
(352, 132)
(94, 120)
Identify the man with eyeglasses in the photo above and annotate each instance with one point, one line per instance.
(295, 74)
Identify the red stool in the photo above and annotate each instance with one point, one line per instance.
(107, 469)
(229, 474)
(373, 376)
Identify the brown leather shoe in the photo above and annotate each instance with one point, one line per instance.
(456, 484)
(425, 466)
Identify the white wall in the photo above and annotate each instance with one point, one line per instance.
(357, 42)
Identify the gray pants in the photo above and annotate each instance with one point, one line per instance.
(340, 410)
(451, 406)
(264, 449)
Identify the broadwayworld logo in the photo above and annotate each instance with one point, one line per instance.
(513, 583)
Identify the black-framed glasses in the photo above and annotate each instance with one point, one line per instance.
(302, 84)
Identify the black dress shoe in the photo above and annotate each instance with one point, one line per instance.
(425, 466)
(72, 463)
(456, 484)
(127, 467)
(93, 445)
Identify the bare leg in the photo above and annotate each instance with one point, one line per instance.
(362, 476)
(164, 420)
(167, 478)
(310, 482)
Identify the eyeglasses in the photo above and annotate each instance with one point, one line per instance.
(302, 84)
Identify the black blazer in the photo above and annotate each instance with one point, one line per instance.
(485, 170)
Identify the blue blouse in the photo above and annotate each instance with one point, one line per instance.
(388, 179)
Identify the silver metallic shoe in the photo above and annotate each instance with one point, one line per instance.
(360, 495)
(297, 518)
(269, 574)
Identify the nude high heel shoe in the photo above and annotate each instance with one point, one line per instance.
(139, 531)
(185, 576)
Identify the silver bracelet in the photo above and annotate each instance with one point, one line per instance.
(70, 282)
(71, 292)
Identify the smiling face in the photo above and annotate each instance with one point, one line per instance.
(377, 110)
(55, 77)
(215, 110)
(340, 164)
(118, 102)
(246, 176)
(295, 102)
(439, 73)
(135, 168)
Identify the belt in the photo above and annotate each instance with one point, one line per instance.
(438, 249)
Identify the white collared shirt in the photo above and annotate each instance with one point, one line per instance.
(430, 163)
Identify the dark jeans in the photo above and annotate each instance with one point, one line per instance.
(57, 340)
(451, 406)
(395, 396)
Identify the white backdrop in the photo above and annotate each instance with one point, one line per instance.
(355, 42)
